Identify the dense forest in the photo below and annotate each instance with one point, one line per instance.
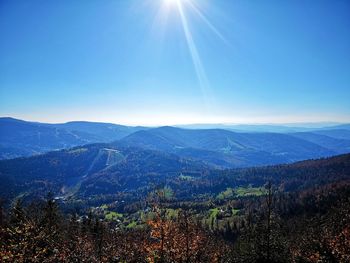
(287, 213)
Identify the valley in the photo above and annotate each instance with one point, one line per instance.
(171, 183)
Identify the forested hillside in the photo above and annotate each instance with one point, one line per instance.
(287, 213)
(164, 195)
(20, 138)
(223, 148)
(215, 147)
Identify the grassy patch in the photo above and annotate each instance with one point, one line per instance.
(111, 216)
(213, 213)
(241, 192)
(250, 191)
(235, 211)
(104, 207)
(228, 193)
(131, 225)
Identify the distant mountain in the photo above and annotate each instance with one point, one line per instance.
(339, 127)
(246, 127)
(335, 133)
(90, 170)
(339, 145)
(226, 148)
(281, 128)
(218, 147)
(103, 132)
(21, 138)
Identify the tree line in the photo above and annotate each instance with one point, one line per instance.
(306, 226)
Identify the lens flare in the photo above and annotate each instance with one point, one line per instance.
(182, 6)
(197, 63)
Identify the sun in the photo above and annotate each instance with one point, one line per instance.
(182, 8)
(173, 2)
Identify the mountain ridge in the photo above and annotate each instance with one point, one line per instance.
(104, 169)
(249, 148)
(218, 147)
(21, 138)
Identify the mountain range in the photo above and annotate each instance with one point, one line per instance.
(20, 138)
(89, 159)
(100, 170)
(224, 148)
(219, 148)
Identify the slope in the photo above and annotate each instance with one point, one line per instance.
(227, 148)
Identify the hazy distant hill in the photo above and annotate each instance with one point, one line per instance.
(339, 144)
(282, 128)
(21, 138)
(339, 127)
(335, 133)
(218, 147)
(227, 148)
(103, 132)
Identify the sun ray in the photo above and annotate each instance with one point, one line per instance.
(161, 20)
(197, 63)
(207, 22)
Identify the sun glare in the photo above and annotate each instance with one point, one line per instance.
(175, 2)
(182, 7)
(171, 1)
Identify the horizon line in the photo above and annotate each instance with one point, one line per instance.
(285, 124)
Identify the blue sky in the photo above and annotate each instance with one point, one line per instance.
(155, 62)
